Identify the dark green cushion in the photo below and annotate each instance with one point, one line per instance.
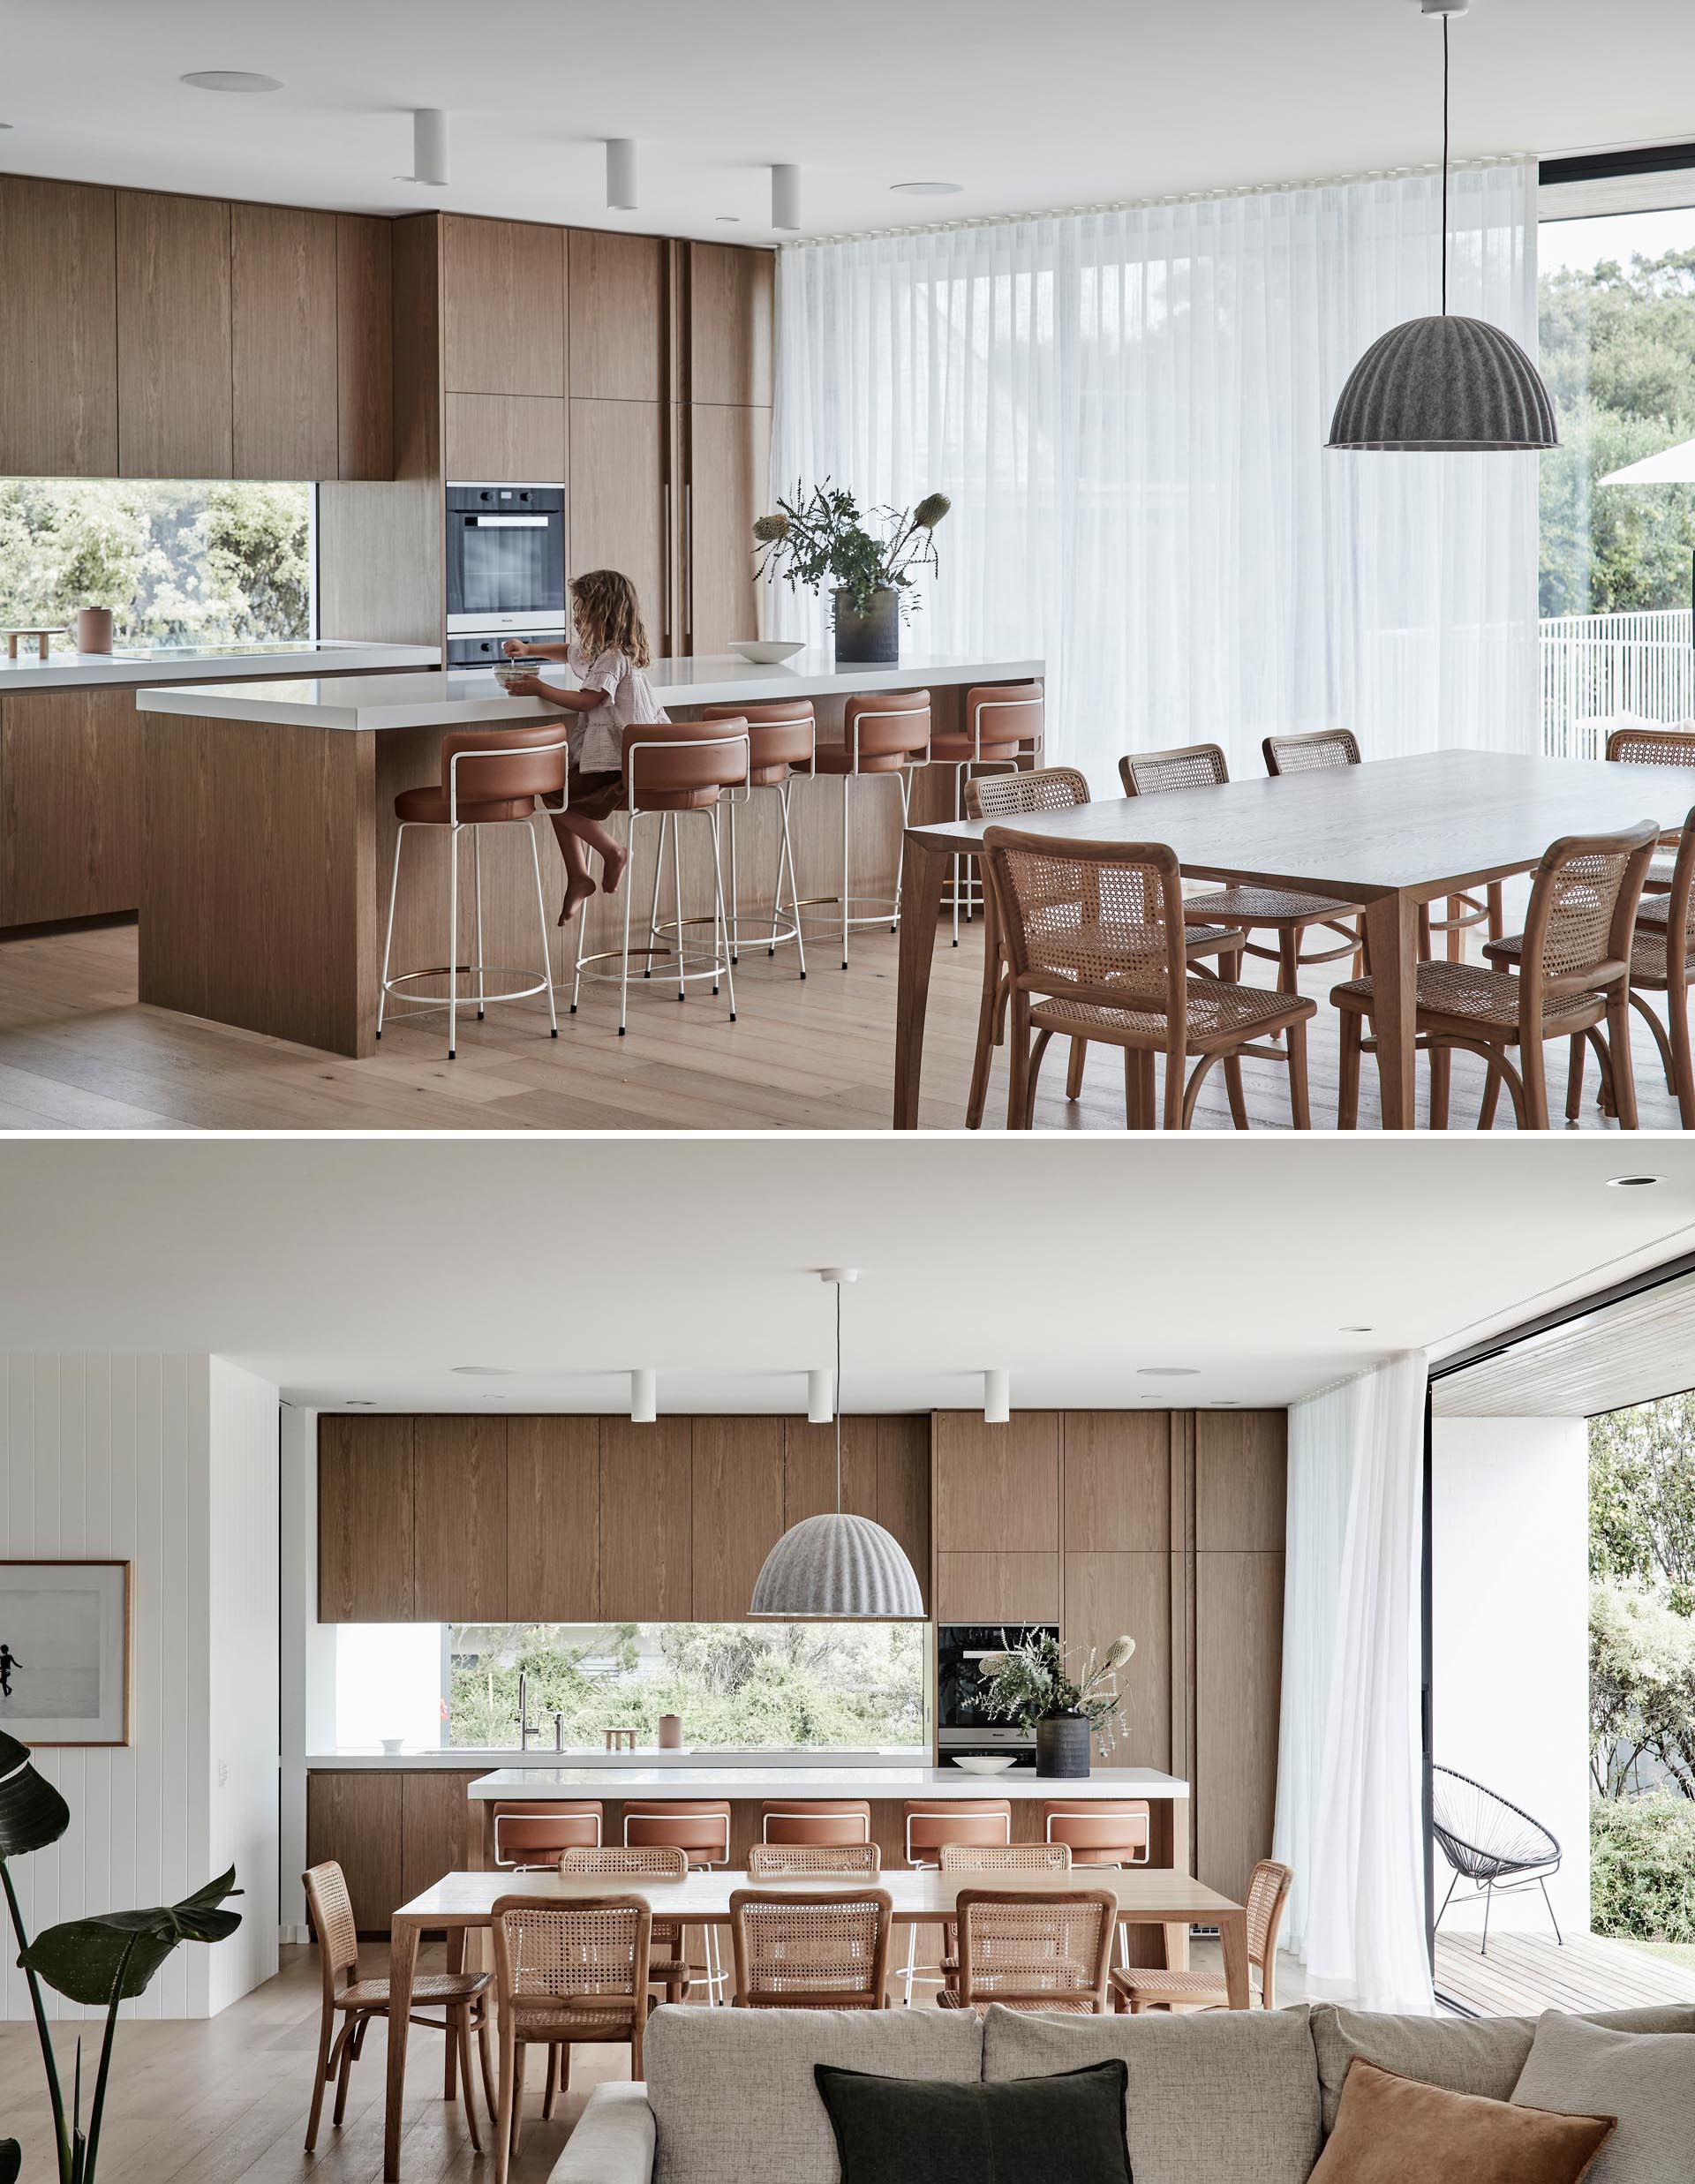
(1065, 2129)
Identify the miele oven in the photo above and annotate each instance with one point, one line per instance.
(506, 561)
(963, 1727)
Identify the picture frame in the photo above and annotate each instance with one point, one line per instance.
(67, 1651)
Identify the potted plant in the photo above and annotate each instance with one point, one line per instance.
(1031, 1684)
(818, 540)
(99, 1962)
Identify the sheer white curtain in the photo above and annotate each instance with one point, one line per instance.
(1128, 409)
(1350, 1766)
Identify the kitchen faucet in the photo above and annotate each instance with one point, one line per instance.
(524, 1730)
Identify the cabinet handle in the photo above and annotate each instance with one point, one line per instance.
(667, 547)
(687, 561)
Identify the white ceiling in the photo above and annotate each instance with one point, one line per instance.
(1026, 106)
(369, 1267)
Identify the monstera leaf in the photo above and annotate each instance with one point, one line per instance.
(113, 1956)
(11, 2161)
(32, 1812)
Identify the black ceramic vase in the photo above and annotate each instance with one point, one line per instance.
(872, 639)
(1062, 1747)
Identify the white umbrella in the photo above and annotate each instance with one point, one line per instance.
(1672, 466)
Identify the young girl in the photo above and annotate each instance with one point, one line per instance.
(608, 655)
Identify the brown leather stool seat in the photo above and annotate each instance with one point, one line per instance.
(837, 758)
(429, 807)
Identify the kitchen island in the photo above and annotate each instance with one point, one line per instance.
(270, 828)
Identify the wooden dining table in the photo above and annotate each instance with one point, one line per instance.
(461, 1904)
(1390, 835)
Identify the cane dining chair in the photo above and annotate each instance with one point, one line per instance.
(1267, 1895)
(1662, 960)
(1574, 961)
(1034, 1952)
(463, 1997)
(768, 1861)
(1638, 746)
(982, 1857)
(1094, 939)
(823, 1951)
(667, 1963)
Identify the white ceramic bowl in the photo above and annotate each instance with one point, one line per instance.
(394, 1744)
(986, 1766)
(767, 651)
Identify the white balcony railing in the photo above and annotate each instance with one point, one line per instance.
(1599, 671)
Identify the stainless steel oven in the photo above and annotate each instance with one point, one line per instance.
(963, 1725)
(506, 559)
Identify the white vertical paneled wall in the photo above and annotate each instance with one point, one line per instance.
(109, 1455)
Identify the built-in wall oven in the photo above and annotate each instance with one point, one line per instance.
(506, 561)
(964, 1728)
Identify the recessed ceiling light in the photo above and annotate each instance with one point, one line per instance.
(1631, 1182)
(925, 189)
(729, 219)
(1355, 1330)
(5, 125)
(229, 80)
(486, 1372)
(1168, 1371)
(360, 1402)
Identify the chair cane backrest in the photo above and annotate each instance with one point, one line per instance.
(1268, 1898)
(330, 1909)
(1652, 747)
(767, 1859)
(525, 767)
(1187, 765)
(664, 1861)
(811, 1952)
(1006, 1857)
(1016, 796)
(1582, 914)
(595, 1949)
(1034, 1949)
(1310, 754)
(1099, 922)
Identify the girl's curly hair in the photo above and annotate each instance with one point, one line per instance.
(608, 615)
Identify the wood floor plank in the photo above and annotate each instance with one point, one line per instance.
(1524, 1973)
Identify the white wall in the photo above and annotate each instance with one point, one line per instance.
(1509, 1571)
(146, 1458)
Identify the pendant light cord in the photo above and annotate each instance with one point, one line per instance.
(1444, 166)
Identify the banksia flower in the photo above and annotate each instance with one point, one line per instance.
(1120, 1652)
(930, 510)
(769, 529)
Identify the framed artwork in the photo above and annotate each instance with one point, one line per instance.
(64, 1652)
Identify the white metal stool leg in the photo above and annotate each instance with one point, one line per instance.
(677, 895)
(388, 937)
(735, 892)
(477, 884)
(623, 976)
(786, 851)
(653, 907)
(847, 877)
(723, 943)
(905, 778)
(912, 1961)
(453, 943)
(546, 944)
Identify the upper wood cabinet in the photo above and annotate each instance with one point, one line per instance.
(809, 1469)
(364, 1519)
(1116, 1481)
(284, 290)
(552, 1520)
(619, 500)
(997, 1487)
(1004, 1585)
(503, 307)
(59, 343)
(729, 478)
(903, 1488)
(364, 347)
(737, 1512)
(730, 302)
(1240, 1480)
(174, 380)
(1104, 1595)
(460, 1527)
(507, 440)
(618, 308)
(647, 1520)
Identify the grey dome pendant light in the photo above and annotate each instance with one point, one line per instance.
(1446, 385)
(837, 1568)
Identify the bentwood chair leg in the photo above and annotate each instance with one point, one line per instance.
(1030, 1076)
(1132, 1091)
(504, 2120)
(348, 2050)
(1533, 1068)
(1074, 1069)
(1441, 1073)
(1618, 1042)
(1018, 1052)
(1347, 1097)
(1299, 1108)
(1497, 911)
(988, 1018)
(1574, 1078)
(1238, 1108)
(551, 2093)
(1175, 1089)
(453, 942)
(546, 944)
(520, 2056)
(459, 2037)
(1147, 1096)
(1491, 1097)
(1683, 1063)
(326, 2033)
(485, 2060)
(389, 936)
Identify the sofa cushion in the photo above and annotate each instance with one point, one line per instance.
(1645, 2079)
(733, 2094)
(612, 2140)
(1222, 2097)
(1392, 2130)
(1066, 2129)
(1481, 2055)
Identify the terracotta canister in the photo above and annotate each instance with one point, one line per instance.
(670, 1732)
(94, 629)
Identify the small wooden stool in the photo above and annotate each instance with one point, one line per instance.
(620, 1740)
(41, 637)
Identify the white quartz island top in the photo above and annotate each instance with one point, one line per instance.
(780, 1780)
(459, 697)
(140, 667)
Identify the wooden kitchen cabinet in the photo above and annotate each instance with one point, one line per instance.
(1001, 1586)
(70, 789)
(618, 468)
(731, 298)
(809, 1469)
(503, 307)
(737, 1488)
(996, 1485)
(507, 440)
(174, 377)
(1106, 1594)
(364, 1519)
(646, 1521)
(284, 290)
(552, 1520)
(356, 1816)
(729, 486)
(1240, 1480)
(903, 1488)
(364, 347)
(460, 1521)
(1116, 1481)
(58, 342)
(434, 1828)
(618, 314)
(1237, 1697)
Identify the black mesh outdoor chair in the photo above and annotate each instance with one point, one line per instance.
(1492, 1843)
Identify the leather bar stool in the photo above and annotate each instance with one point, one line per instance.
(671, 768)
(1004, 729)
(883, 732)
(1102, 1831)
(782, 742)
(699, 1827)
(927, 1825)
(490, 776)
(529, 1838)
(828, 1820)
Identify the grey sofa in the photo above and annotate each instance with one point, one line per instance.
(1214, 2099)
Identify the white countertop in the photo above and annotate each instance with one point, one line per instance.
(136, 667)
(780, 1780)
(461, 697)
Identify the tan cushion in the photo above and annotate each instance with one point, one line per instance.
(1645, 2079)
(1224, 2099)
(1393, 2130)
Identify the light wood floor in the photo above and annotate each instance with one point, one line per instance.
(1526, 1973)
(77, 1051)
(224, 2101)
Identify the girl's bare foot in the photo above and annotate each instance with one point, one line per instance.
(612, 870)
(577, 892)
